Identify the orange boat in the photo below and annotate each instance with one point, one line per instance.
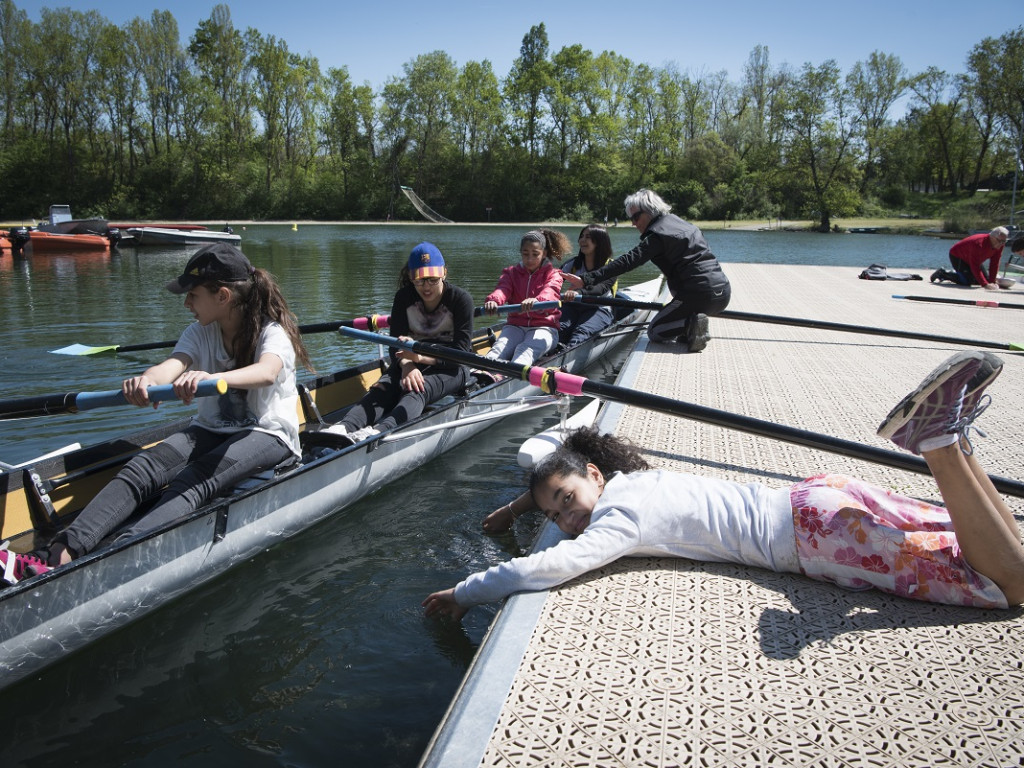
(52, 241)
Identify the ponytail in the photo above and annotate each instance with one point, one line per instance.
(261, 298)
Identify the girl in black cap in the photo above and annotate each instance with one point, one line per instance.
(244, 334)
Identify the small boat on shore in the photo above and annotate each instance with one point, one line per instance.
(46, 617)
(169, 236)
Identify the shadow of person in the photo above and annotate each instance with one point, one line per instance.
(822, 612)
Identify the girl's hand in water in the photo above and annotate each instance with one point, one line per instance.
(444, 603)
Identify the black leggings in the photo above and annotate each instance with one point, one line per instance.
(387, 396)
(670, 323)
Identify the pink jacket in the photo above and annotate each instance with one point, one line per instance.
(516, 284)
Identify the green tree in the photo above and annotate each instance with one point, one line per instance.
(224, 68)
(417, 113)
(874, 86)
(525, 86)
(820, 133)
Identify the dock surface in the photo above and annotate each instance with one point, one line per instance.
(670, 662)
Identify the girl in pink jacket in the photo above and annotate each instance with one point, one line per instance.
(529, 334)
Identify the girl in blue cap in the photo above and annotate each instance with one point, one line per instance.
(426, 308)
(244, 334)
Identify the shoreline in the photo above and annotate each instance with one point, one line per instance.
(931, 227)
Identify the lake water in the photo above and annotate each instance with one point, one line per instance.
(315, 653)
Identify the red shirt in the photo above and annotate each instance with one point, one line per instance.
(975, 251)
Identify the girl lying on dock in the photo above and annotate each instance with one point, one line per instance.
(831, 528)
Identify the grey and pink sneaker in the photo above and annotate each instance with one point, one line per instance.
(15, 567)
(936, 407)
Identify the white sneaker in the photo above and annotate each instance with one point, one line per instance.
(364, 434)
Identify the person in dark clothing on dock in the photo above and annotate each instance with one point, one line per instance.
(699, 286)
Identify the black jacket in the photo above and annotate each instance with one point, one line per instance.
(678, 249)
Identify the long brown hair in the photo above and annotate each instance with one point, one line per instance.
(257, 299)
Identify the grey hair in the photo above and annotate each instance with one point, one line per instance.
(534, 236)
(1000, 231)
(647, 201)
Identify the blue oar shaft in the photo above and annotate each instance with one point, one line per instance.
(86, 401)
(72, 402)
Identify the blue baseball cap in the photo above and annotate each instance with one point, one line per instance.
(426, 261)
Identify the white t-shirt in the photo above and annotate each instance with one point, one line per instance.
(657, 513)
(270, 409)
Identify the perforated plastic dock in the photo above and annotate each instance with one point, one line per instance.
(667, 662)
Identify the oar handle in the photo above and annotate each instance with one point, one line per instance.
(504, 309)
(554, 380)
(86, 401)
(72, 402)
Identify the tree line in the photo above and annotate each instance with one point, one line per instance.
(126, 121)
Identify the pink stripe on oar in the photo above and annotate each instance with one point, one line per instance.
(362, 323)
(566, 383)
(569, 383)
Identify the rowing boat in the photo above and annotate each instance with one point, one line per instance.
(47, 617)
(170, 236)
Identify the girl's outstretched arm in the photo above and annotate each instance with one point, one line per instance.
(443, 602)
(501, 519)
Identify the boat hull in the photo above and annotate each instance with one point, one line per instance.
(164, 236)
(50, 616)
(53, 241)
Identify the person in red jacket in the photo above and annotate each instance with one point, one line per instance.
(528, 334)
(968, 256)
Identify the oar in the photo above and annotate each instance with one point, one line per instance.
(554, 380)
(73, 402)
(372, 322)
(375, 322)
(610, 301)
(966, 302)
(824, 325)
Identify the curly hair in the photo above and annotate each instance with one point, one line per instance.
(610, 454)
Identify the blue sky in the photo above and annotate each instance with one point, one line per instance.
(374, 38)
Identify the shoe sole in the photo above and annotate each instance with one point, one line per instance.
(975, 383)
(905, 408)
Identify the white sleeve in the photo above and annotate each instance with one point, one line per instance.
(611, 537)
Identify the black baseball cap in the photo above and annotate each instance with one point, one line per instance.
(217, 262)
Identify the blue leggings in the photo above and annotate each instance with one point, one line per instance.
(579, 322)
(195, 465)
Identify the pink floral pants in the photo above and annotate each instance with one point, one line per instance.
(859, 536)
